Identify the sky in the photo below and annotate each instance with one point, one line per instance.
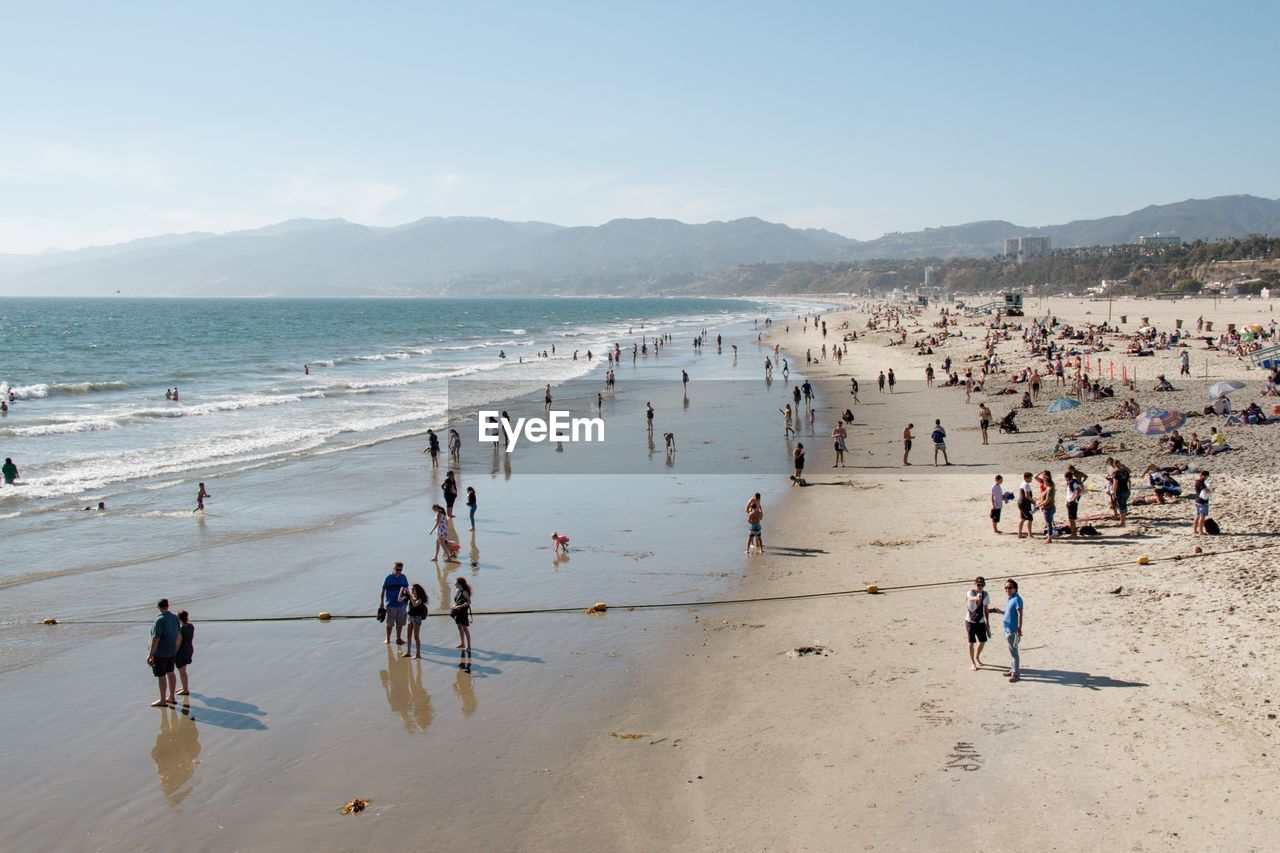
(127, 120)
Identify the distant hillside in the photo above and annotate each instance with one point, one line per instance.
(466, 255)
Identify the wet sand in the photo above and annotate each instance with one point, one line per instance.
(291, 719)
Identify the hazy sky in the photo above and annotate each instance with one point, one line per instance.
(130, 119)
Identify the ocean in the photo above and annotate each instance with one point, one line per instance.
(288, 453)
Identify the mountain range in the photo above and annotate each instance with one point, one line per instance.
(460, 256)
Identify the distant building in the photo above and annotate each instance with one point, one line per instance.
(932, 277)
(1022, 248)
(1160, 238)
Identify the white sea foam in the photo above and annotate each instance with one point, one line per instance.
(87, 387)
(26, 392)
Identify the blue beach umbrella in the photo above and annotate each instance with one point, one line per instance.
(1158, 421)
(1063, 404)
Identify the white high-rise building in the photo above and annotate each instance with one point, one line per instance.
(1022, 248)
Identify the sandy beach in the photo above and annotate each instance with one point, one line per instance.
(1144, 717)
(800, 721)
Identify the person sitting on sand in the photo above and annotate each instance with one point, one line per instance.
(1177, 444)
(1220, 406)
(1217, 442)
(1163, 384)
(1253, 414)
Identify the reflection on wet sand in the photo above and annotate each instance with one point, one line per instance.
(402, 684)
(176, 753)
(465, 688)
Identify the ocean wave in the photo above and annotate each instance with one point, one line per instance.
(324, 362)
(187, 410)
(61, 427)
(514, 331)
(481, 345)
(88, 387)
(25, 392)
(399, 355)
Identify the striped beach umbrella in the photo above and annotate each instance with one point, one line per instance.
(1158, 421)
(1226, 386)
(1063, 404)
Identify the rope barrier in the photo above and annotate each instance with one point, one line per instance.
(801, 596)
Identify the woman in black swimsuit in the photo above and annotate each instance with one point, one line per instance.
(461, 613)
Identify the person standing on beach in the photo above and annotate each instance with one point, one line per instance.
(1048, 502)
(1012, 627)
(684, 379)
(9, 470)
(853, 388)
(997, 503)
(471, 506)
(977, 620)
(441, 526)
(1026, 505)
(455, 447)
(928, 375)
(393, 597)
(907, 437)
(1203, 495)
(892, 380)
(417, 610)
(166, 634)
(461, 613)
(798, 457)
(200, 496)
(1075, 490)
(880, 382)
(838, 434)
(546, 397)
(755, 519)
(186, 650)
(648, 416)
(939, 442)
(433, 445)
(984, 420)
(450, 489)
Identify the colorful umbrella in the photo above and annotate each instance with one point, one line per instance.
(1217, 389)
(1062, 404)
(1158, 421)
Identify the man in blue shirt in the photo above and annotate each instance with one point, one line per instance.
(1012, 626)
(397, 609)
(165, 634)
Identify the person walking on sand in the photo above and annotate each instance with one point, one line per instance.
(392, 596)
(977, 620)
(433, 447)
(186, 650)
(461, 613)
(838, 434)
(1012, 627)
(880, 382)
(798, 457)
(997, 503)
(984, 420)
(471, 506)
(417, 608)
(755, 520)
(892, 380)
(939, 442)
(853, 388)
(455, 447)
(907, 437)
(546, 397)
(200, 496)
(166, 634)
(441, 525)
(9, 470)
(450, 489)
(786, 417)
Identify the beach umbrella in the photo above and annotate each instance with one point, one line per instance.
(1158, 421)
(1063, 404)
(1217, 389)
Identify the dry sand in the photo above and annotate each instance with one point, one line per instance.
(1145, 717)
